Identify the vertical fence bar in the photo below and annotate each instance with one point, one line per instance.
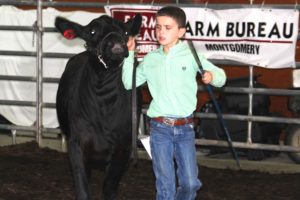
(39, 73)
(250, 95)
(14, 136)
(63, 143)
(250, 98)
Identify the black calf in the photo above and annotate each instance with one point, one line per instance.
(93, 107)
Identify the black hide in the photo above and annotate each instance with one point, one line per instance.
(93, 107)
(294, 103)
(238, 103)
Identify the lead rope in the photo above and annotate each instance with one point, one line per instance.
(134, 114)
(217, 107)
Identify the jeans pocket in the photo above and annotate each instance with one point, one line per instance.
(156, 126)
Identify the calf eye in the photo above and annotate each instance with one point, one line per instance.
(93, 31)
(126, 33)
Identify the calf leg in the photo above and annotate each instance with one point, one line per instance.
(114, 172)
(79, 171)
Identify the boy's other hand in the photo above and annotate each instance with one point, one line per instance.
(131, 43)
(207, 77)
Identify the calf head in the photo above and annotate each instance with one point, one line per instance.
(105, 37)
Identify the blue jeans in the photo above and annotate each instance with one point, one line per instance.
(169, 143)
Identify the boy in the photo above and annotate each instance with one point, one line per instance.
(170, 72)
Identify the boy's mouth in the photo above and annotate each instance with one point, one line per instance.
(161, 38)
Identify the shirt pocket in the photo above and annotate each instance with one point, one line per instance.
(182, 74)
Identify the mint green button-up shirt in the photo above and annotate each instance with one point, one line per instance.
(171, 79)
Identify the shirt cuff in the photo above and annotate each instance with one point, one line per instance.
(130, 58)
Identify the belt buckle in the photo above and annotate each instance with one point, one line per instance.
(169, 121)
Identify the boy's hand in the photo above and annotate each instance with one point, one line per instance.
(207, 77)
(131, 43)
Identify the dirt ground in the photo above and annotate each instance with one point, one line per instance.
(28, 172)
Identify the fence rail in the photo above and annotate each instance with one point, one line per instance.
(102, 4)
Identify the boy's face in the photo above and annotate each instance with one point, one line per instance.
(167, 31)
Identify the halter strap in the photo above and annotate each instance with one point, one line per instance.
(100, 51)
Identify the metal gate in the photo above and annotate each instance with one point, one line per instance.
(39, 79)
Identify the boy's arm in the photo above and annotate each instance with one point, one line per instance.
(127, 71)
(128, 65)
(215, 75)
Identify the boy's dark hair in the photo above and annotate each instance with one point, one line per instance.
(174, 12)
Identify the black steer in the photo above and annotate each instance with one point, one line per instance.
(92, 104)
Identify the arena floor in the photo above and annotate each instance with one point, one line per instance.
(280, 163)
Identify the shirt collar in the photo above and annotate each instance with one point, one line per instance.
(173, 49)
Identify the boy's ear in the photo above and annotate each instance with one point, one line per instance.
(134, 25)
(182, 32)
(68, 29)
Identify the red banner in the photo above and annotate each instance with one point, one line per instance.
(146, 40)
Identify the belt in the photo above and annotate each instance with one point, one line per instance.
(174, 121)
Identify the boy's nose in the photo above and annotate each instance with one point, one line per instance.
(161, 30)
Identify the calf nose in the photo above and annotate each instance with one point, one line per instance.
(117, 49)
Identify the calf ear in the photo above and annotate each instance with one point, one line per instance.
(68, 29)
(135, 25)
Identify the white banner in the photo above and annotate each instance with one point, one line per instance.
(259, 37)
